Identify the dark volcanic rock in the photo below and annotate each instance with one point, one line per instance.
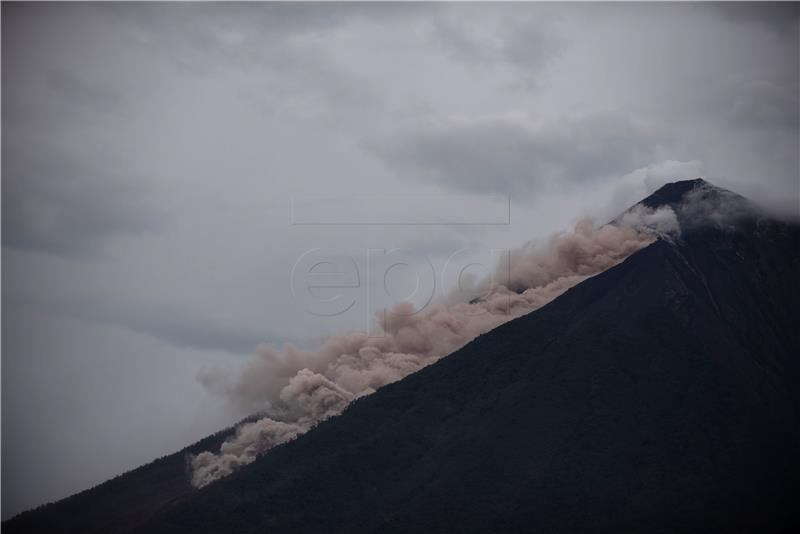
(662, 395)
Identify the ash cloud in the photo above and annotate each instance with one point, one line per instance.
(295, 389)
(662, 221)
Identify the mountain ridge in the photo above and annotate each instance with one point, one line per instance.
(760, 457)
(554, 389)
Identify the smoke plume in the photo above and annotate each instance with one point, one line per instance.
(295, 389)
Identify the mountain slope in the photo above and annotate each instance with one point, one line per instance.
(660, 396)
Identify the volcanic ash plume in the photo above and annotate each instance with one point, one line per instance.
(295, 389)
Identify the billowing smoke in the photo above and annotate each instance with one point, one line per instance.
(662, 222)
(295, 389)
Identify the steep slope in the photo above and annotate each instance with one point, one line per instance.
(661, 395)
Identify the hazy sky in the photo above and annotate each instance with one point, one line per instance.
(150, 155)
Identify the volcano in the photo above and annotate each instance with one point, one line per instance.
(662, 395)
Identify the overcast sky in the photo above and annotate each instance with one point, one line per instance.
(150, 155)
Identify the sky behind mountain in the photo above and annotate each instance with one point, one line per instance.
(151, 154)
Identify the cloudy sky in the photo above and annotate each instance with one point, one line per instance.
(157, 159)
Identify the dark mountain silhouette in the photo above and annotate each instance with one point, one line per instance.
(662, 395)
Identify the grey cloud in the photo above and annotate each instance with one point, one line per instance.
(68, 179)
(181, 330)
(174, 325)
(275, 55)
(79, 92)
(203, 25)
(58, 203)
(57, 206)
(303, 73)
(531, 50)
(767, 104)
(782, 17)
(457, 42)
(517, 157)
(522, 37)
(283, 43)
